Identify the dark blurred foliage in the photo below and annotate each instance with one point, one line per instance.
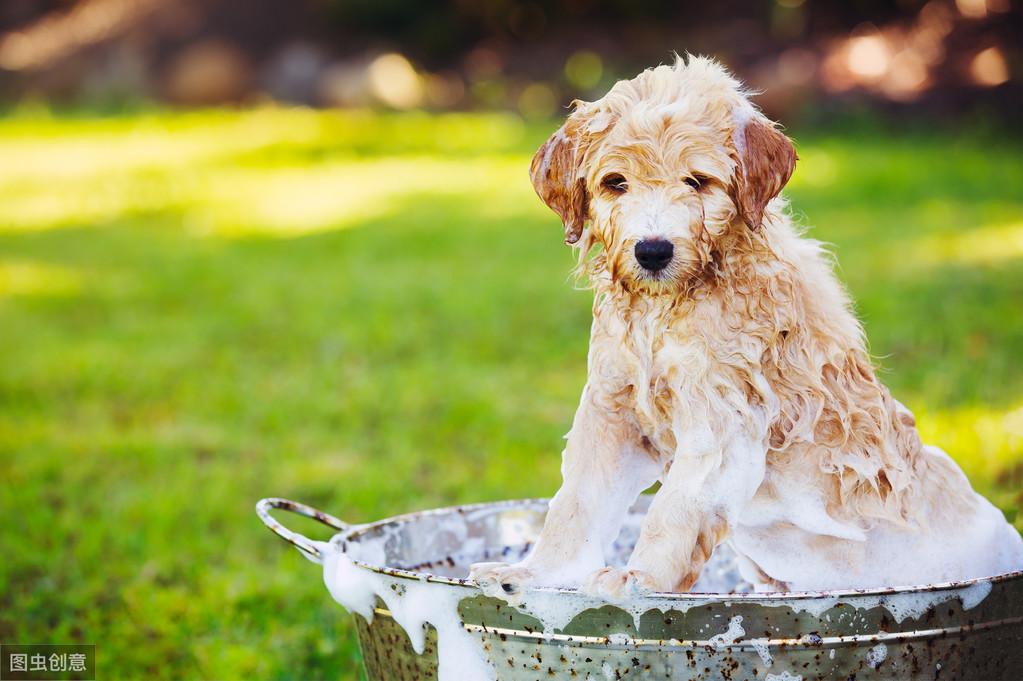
(439, 31)
(810, 56)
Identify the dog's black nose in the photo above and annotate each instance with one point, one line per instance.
(654, 254)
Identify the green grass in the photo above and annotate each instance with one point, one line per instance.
(372, 315)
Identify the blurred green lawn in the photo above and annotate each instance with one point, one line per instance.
(372, 314)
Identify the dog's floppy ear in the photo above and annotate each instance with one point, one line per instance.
(766, 159)
(557, 172)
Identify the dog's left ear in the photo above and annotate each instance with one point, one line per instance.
(557, 173)
(766, 162)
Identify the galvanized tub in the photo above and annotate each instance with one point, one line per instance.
(964, 630)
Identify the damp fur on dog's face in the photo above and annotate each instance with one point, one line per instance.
(659, 170)
(659, 197)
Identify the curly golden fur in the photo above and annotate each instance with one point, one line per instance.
(736, 374)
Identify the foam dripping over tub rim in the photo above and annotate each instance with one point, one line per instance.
(356, 583)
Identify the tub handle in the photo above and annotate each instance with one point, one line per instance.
(302, 543)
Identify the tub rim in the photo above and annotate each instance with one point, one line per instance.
(339, 541)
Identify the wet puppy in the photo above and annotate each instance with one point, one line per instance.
(726, 363)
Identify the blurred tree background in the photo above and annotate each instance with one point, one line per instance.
(810, 57)
(253, 248)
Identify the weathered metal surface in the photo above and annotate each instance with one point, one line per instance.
(826, 635)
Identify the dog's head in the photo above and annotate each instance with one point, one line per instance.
(662, 168)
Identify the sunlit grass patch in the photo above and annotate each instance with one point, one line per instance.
(284, 200)
(988, 443)
(296, 200)
(984, 245)
(29, 278)
(283, 171)
(985, 440)
(44, 149)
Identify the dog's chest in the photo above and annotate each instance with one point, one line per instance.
(653, 371)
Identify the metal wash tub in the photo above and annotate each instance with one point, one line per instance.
(964, 630)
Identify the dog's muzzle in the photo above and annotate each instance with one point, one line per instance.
(654, 254)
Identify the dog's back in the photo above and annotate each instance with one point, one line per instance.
(851, 497)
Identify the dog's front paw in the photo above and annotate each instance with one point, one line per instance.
(618, 584)
(502, 580)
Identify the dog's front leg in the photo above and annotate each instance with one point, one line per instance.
(700, 498)
(604, 469)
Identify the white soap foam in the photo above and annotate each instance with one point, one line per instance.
(814, 606)
(760, 645)
(784, 676)
(352, 587)
(555, 609)
(977, 543)
(972, 595)
(729, 636)
(413, 604)
(877, 655)
(904, 605)
(900, 605)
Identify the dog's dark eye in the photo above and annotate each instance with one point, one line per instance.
(696, 181)
(615, 183)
